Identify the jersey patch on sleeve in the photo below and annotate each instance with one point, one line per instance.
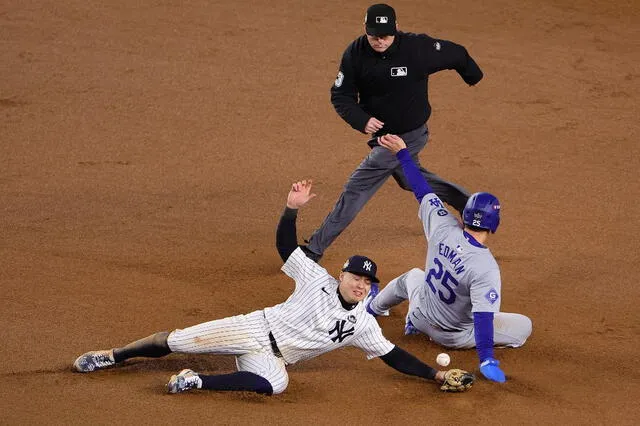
(492, 296)
(442, 212)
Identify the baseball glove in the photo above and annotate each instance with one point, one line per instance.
(456, 380)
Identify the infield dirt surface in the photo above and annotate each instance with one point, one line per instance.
(147, 149)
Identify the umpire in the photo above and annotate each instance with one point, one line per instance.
(381, 88)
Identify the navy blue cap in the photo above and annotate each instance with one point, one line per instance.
(380, 20)
(361, 265)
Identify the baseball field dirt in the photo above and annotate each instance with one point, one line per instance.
(146, 150)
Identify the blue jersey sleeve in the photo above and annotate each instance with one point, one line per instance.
(483, 331)
(411, 171)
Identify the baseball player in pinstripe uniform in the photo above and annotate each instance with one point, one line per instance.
(457, 302)
(321, 315)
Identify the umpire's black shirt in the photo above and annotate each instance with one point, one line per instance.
(392, 86)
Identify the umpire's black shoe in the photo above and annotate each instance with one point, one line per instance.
(311, 254)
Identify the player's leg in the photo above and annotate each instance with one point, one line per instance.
(396, 291)
(246, 336)
(261, 372)
(267, 366)
(235, 335)
(449, 192)
(363, 183)
(232, 335)
(511, 330)
(153, 346)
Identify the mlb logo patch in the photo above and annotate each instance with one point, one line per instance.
(399, 72)
(382, 20)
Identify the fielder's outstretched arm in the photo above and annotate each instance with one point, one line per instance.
(406, 363)
(286, 233)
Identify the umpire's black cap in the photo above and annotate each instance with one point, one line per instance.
(361, 265)
(380, 20)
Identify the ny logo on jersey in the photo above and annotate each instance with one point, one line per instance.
(367, 265)
(341, 333)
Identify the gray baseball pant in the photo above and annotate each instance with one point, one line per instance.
(370, 175)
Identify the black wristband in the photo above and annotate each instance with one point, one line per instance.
(290, 213)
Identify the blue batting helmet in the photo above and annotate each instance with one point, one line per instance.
(482, 211)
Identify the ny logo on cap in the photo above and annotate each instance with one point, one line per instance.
(382, 20)
(367, 265)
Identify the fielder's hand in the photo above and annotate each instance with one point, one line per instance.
(392, 142)
(456, 380)
(300, 194)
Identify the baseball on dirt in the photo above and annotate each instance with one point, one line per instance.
(443, 359)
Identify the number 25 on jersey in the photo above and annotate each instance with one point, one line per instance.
(440, 277)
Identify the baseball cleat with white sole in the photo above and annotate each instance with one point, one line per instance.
(183, 381)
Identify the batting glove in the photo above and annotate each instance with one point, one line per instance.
(489, 369)
(372, 294)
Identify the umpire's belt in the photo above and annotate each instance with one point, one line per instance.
(274, 346)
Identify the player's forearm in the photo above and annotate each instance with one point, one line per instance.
(483, 333)
(418, 183)
(286, 233)
(406, 363)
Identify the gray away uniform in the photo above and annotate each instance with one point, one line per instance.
(462, 277)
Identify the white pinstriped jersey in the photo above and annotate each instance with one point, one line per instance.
(461, 278)
(312, 321)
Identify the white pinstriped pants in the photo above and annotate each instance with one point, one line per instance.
(245, 336)
(510, 330)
